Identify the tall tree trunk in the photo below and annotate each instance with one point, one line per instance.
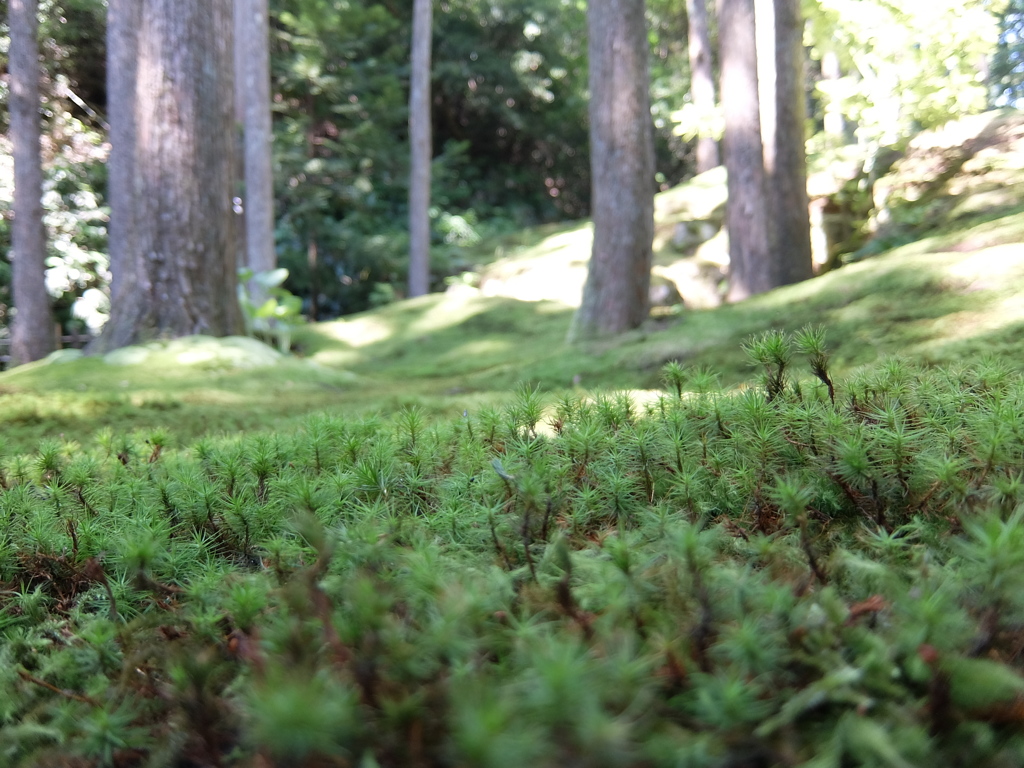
(238, 202)
(123, 19)
(32, 334)
(420, 149)
(764, 33)
(702, 78)
(787, 175)
(252, 72)
(750, 269)
(177, 271)
(616, 294)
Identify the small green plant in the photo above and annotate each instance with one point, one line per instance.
(771, 351)
(270, 311)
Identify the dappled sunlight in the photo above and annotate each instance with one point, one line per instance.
(641, 399)
(990, 267)
(336, 358)
(553, 270)
(699, 198)
(966, 325)
(361, 331)
(444, 314)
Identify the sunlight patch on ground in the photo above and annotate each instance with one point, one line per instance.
(554, 270)
(699, 198)
(335, 358)
(451, 310)
(359, 332)
(961, 326)
(991, 267)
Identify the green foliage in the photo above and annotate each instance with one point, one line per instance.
(906, 66)
(768, 575)
(270, 311)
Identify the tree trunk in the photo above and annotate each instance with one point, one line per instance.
(787, 176)
(420, 149)
(123, 19)
(252, 30)
(702, 78)
(176, 272)
(32, 335)
(616, 295)
(750, 269)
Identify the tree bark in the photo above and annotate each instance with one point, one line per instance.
(32, 333)
(616, 294)
(750, 269)
(175, 274)
(787, 175)
(123, 19)
(702, 78)
(252, 71)
(420, 149)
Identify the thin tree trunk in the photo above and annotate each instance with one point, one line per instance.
(764, 30)
(32, 335)
(746, 217)
(312, 259)
(238, 202)
(420, 148)
(123, 19)
(180, 278)
(787, 178)
(252, 29)
(616, 294)
(764, 33)
(702, 79)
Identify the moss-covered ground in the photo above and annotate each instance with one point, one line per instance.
(788, 532)
(930, 301)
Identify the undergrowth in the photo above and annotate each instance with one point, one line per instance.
(805, 573)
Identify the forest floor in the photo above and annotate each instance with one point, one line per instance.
(952, 288)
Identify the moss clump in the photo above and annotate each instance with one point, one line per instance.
(807, 572)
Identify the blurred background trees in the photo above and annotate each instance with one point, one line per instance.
(509, 123)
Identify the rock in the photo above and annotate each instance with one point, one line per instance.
(688, 234)
(127, 356)
(64, 356)
(204, 351)
(664, 292)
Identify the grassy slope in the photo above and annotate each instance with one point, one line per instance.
(938, 299)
